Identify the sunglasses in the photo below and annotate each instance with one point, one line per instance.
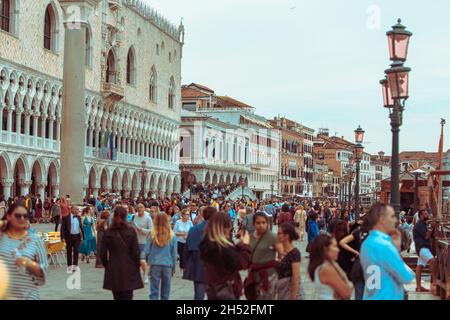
(20, 216)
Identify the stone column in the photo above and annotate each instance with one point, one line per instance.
(50, 128)
(58, 129)
(7, 184)
(77, 13)
(9, 124)
(41, 190)
(43, 120)
(27, 123)
(25, 187)
(95, 191)
(35, 125)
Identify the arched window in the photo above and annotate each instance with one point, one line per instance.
(152, 89)
(131, 68)
(50, 29)
(5, 15)
(111, 68)
(171, 96)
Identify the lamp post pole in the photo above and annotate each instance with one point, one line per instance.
(358, 167)
(271, 189)
(350, 192)
(143, 174)
(395, 165)
(359, 138)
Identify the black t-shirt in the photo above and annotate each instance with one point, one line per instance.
(419, 233)
(284, 268)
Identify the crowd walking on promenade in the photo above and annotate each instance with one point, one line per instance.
(230, 250)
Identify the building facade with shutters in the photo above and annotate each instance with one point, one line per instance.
(259, 150)
(291, 157)
(133, 98)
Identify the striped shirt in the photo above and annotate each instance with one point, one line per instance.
(23, 285)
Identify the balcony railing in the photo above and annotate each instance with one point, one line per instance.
(125, 158)
(22, 140)
(112, 91)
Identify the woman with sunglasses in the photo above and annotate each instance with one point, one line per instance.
(23, 253)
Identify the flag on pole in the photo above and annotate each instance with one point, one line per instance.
(436, 179)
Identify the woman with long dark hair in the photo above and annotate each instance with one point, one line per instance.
(352, 245)
(23, 253)
(102, 226)
(330, 281)
(223, 259)
(120, 256)
(288, 286)
(340, 231)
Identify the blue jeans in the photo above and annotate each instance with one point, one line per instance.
(160, 276)
(359, 289)
(199, 290)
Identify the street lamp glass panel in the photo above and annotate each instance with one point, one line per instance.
(399, 82)
(388, 102)
(398, 46)
(359, 135)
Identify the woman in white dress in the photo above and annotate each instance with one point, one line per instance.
(300, 221)
(330, 281)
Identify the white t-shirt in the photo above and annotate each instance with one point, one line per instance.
(144, 223)
(181, 226)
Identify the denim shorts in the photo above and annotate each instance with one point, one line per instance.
(142, 249)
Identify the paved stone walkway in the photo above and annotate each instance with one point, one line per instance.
(91, 282)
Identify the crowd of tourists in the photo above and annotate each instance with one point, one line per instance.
(211, 241)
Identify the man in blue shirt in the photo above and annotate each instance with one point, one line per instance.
(384, 270)
(270, 212)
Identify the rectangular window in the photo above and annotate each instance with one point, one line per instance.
(4, 15)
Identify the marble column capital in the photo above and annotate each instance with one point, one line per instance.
(42, 185)
(77, 12)
(7, 183)
(25, 183)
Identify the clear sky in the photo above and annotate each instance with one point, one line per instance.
(320, 62)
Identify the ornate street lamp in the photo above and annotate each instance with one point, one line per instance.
(143, 175)
(398, 39)
(359, 138)
(395, 92)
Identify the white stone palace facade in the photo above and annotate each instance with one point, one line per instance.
(132, 103)
(212, 152)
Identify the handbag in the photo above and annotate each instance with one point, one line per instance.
(223, 291)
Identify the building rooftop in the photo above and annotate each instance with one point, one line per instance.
(225, 102)
(188, 93)
(143, 7)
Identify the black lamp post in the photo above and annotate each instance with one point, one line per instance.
(395, 94)
(350, 173)
(359, 138)
(143, 175)
(271, 189)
